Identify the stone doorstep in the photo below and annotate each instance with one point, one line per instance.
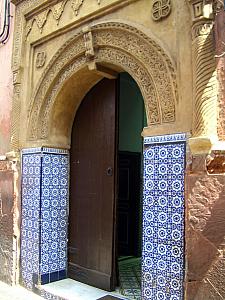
(68, 289)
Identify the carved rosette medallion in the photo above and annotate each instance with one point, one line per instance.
(161, 9)
(218, 6)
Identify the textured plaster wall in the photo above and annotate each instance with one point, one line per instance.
(8, 169)
(6, 87)
(9, 225)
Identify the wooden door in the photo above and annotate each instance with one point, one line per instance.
(128, 207)
(91, 257)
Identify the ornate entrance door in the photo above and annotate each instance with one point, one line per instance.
(92, 189)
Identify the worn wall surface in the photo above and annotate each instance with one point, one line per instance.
(205, 187)
(9, 184)
(9, 234)
(220, 60)
(6, 87)
(6, 217)
(205, 228)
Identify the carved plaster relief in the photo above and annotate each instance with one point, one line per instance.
(40, 59)
(88, 42)
(218, 6)
(204, 71)
(76, 4)
(16, 107)
(111, 43)
(16, 63)
(161, 9)
(57, 11)
(205, 80)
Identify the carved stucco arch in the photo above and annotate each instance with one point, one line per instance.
(118, 46)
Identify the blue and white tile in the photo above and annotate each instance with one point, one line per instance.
(31, 173)
(41, 229)
(163, 214)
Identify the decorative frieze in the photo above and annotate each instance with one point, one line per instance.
(57, 10)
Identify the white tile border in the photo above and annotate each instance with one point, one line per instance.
(168, 138)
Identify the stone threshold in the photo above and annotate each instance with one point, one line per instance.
(69, 289)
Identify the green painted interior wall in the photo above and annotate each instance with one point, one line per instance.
(132, 117)
(132, 120)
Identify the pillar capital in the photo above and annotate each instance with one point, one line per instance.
(201, 144)
(201, 10)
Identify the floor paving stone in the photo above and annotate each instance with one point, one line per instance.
(16, 293)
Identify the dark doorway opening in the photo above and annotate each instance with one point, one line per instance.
(105, 188)
(131, 121)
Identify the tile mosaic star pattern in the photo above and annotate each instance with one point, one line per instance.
(30, 231)
(54, 214)
(163, 218)
(44, 215)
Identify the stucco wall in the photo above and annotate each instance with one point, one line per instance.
(8, 180)
(5, 86)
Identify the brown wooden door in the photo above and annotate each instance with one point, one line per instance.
(92, 189)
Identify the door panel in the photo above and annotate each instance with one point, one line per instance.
(92, 188)
(128, 206)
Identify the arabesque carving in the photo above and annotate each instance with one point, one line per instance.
(76, 4)
(57, 11)
(118, 44)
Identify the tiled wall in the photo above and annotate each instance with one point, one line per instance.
(163, 219)
(45, 185)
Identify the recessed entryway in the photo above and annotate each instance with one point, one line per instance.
(106, 190)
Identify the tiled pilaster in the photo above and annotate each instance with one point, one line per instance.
(45, 186)
(163, 217)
